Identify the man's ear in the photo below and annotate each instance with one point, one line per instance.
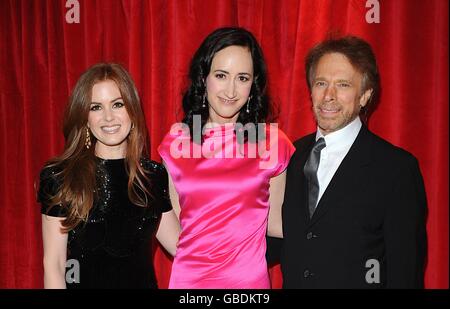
(364, 99)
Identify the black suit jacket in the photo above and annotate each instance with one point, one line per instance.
(369, 223)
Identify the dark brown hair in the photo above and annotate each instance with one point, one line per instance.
(77, 166)
(219, 39)
(360, 55)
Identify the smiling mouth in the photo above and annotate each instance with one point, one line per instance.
(111, 129)
(328, 111)
(227, 102)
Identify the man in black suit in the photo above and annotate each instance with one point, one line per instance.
(354, 210)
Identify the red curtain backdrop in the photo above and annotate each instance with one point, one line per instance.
(42, 56)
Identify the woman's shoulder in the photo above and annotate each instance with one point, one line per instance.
(50, 182)
(158, 181)
(179, 133)
(276, 134)
(153, 167)
(176, 131)
(50, 174)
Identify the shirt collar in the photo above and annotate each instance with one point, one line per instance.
(341, 138)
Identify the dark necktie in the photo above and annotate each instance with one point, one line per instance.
(310, 170)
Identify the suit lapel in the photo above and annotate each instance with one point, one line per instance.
(357, 156)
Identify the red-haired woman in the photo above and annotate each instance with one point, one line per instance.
(102, 198)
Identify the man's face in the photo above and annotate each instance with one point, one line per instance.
(336, 93)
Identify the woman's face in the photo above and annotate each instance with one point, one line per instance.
(108, 120)
(228, 83)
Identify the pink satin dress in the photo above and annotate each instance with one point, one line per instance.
(223, 191)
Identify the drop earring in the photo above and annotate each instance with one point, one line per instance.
(248, 105)
(87, 142)
(204, 99)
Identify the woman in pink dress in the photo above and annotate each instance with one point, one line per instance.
(226, 167)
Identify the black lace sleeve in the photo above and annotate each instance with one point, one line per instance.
(48, 186)
(159, 183)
